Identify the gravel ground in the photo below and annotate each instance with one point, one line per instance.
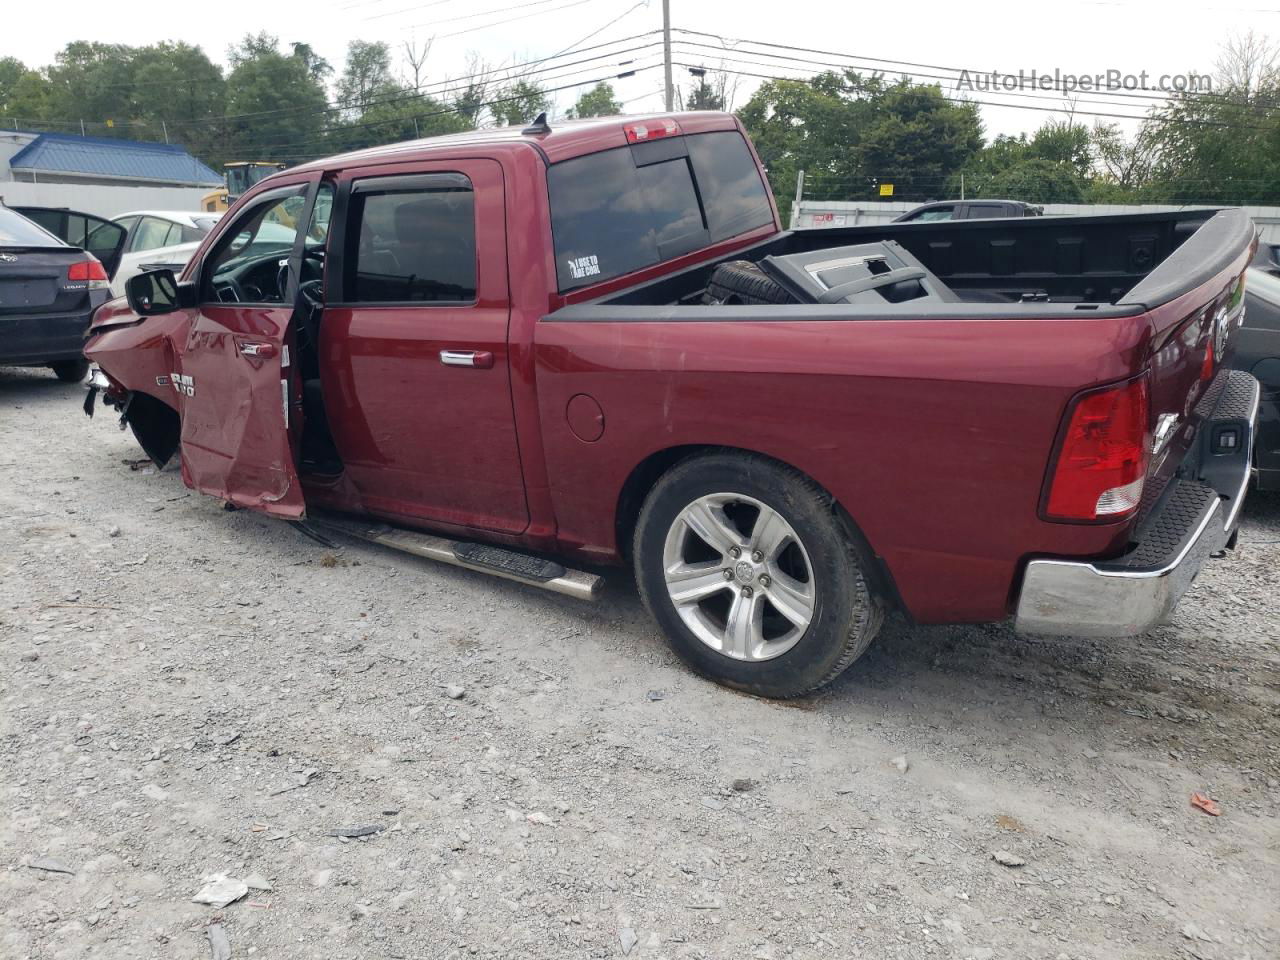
(189, 692)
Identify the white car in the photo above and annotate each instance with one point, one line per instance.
(158, 238)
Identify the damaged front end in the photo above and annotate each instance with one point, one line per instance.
(131, 360)
(155, 425)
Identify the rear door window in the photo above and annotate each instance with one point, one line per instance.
(411, 239)
(151, 234)
(986, 211)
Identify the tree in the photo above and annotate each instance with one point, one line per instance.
(94, 81)
(24, 93)
(1123, 167)
(518, 103)
(414, 59)
(713, 91)
(1034, 180)
(319, 68)
(851, 132)
(275, 107)
(599, 101)
(366, 76)
(1220, 147)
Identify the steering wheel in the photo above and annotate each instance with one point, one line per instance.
(313, 292)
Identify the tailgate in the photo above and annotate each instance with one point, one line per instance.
(1195, 300)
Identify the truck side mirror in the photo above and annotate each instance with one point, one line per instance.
(155, 292)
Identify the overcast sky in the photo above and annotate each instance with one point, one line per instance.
(1158, 36)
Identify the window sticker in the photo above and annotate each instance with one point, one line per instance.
(588, 266)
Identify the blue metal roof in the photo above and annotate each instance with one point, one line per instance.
(64, 153)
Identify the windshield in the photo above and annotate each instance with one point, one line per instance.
(17, 231)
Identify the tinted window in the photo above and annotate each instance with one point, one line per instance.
(51, 220)
(984, 211)
(411, 243)
(17, 231)
(935, 213)
(610, 217)
(732, 192)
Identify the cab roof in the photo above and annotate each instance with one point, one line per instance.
(565, 139)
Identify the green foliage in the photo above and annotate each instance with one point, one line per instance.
(850, 132)
(599, 101)
(275, 107)
(520, 103)
(367, 75)
(1052, 166)
(1219, 149)
(706, 96)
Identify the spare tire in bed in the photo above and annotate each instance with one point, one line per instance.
(742, 282)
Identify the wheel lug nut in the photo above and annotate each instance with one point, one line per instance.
(735, 552)
(764, 580)
(728, 574)
(747, 591)
(757, 556)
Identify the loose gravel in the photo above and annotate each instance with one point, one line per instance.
(365, 755)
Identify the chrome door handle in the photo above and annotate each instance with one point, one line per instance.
(467, 358)
(264, 351)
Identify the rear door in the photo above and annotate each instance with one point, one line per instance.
(240, 421)
(414, 365)
(102, 238)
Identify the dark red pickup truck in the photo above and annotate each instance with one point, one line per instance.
(593, 342)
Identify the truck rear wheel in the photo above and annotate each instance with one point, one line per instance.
(752, 575)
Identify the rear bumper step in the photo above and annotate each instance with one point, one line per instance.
(482, 558)
(1194, 520)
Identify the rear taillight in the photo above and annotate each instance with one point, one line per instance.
(1102, 457)
(88, 272)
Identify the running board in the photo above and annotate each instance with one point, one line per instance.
(480, 557)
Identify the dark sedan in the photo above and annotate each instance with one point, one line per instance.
(48, 291)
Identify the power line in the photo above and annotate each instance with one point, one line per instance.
(439, 87)
(1068, 105)
(1145, 92)
(450, 110)
(1013, 106)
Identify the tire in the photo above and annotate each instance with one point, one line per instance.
(816, 565)
(742, 282)
(70, 371)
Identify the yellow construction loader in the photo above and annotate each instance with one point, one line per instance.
(240, 177)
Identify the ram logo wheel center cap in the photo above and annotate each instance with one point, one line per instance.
(745, 571)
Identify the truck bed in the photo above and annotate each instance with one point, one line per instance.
(1027, 262)
(931, 422)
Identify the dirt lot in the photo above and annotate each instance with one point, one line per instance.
(189, 692)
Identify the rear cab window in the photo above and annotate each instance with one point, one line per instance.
(624, 209)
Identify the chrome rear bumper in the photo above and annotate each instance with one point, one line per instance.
(1194, 520)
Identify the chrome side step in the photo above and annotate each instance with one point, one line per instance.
(482, 558)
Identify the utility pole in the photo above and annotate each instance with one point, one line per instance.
(666, 53)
